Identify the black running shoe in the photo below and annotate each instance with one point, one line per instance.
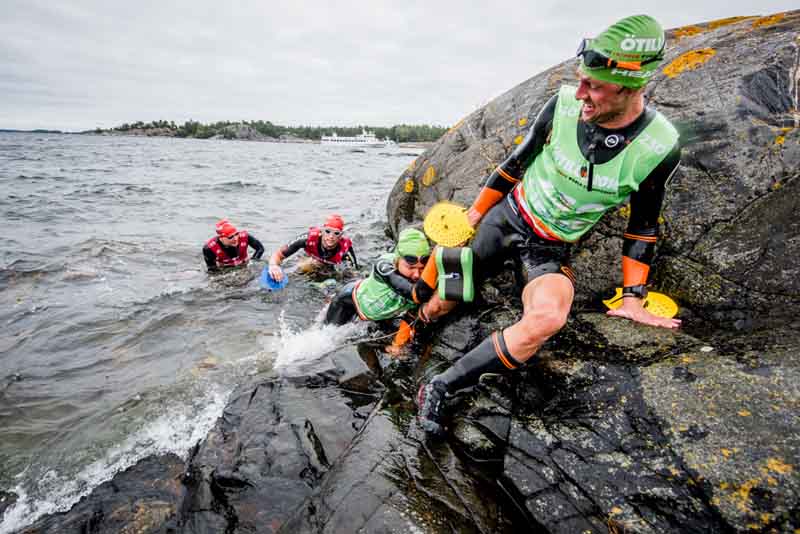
(430, 399)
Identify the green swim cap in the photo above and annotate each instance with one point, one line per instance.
(628, 53)
(412, 242)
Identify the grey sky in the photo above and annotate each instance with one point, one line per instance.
(78, 65)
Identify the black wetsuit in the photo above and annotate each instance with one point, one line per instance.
(232, 252)
(504, 233)
(342, 309)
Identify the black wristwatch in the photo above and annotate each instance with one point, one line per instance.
(634, 291)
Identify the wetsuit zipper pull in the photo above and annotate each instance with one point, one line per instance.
(592, 135)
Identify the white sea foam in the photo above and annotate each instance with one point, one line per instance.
(176, 431)
(295, 348)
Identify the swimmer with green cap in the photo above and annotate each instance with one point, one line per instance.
(627, 54)
(615, 66)
(393, 290)
(591, 148)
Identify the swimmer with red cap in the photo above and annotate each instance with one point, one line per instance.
(325, 245)
(229, 247)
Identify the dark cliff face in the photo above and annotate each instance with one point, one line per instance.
(730, 232)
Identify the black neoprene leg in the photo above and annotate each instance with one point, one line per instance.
(490, 356)
(341, 310)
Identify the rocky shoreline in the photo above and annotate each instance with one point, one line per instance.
(614, 427)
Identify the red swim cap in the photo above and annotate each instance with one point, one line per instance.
(225, 229)
(334, 221)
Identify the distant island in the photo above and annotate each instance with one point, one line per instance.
(267, 131)
(9, 130)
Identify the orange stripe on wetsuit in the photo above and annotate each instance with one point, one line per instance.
(646, 238)
(355, 302)
(569, 273)
(507, 176)
(498, 349)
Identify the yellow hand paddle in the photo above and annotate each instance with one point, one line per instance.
(446, 224)
(656, 303)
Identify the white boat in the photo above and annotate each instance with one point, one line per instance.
(365, 138)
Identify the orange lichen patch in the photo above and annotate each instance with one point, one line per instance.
(742, 495)
(688, 31)
(726, 452)
(409, 188)
(766, 22)
(429, 176)
(781, 137)
(744, 413)
(713, 25)
(777, 465)
(689, 61)
(518, 140)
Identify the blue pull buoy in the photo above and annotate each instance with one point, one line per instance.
(268, 283)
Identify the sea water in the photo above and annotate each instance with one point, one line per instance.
(115, 342)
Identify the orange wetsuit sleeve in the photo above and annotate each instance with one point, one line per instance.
(486, 199)
(426, 285)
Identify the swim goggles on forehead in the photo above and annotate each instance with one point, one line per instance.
(413, 260)
(593, 59)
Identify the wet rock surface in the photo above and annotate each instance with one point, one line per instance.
(615, 427)
(612, 427)
(682, 440)
(145, 498)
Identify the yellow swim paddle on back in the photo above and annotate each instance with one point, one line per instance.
(446, 224)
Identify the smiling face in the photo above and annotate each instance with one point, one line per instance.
(330, 237)
(607, 104)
